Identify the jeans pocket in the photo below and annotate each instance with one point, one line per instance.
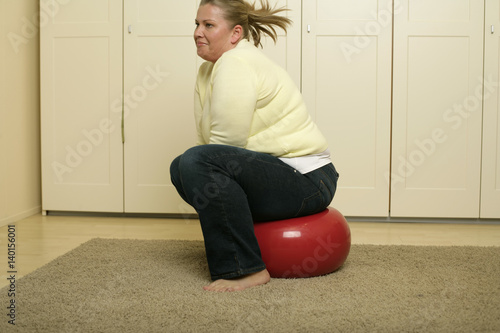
(314, 203)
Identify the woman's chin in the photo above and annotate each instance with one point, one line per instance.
(202, 55)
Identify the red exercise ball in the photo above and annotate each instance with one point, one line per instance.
(304, 246)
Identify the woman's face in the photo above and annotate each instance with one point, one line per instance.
(213, 35)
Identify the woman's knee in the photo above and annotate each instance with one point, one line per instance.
(174, 170)
(193, 154)
(190, 161)
(204, 156)
(202, 153)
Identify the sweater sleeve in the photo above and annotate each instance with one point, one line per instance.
(234, 98)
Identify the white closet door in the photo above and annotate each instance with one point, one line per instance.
(347, 86)
(438, 67)
(81, 66)
(490, 186)
(160, 70)
(160, 66)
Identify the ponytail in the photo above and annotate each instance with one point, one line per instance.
(262, 21)
(255, 21)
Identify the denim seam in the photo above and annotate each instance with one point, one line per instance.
(227, 230)
(329, 181)
(239, 273)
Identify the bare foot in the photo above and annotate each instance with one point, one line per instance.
(247, 281)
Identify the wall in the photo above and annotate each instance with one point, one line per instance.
(20, 180)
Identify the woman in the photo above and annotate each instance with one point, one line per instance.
(259, 156)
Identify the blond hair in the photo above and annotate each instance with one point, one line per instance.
(255, 22)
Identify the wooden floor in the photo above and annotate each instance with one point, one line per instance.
(40, 239)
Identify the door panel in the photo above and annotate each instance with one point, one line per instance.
(436, 137)
(81, 52)
(160, 65)
(347, 87)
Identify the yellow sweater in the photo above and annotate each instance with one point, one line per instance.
(246, 100)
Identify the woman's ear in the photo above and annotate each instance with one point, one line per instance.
(237, 34)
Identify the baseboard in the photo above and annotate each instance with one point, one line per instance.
(16, 217)
(422, 220)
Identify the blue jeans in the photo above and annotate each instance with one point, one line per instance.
(231, 188)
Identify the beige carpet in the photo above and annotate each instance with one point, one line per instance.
(156, 286)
